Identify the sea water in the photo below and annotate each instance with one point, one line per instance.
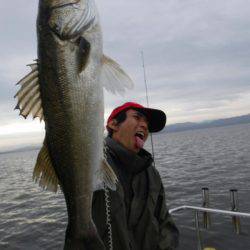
(216, 158)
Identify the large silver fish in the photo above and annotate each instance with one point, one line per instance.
(65, 88)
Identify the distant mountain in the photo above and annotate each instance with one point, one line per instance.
(169, 128)
(207, 124)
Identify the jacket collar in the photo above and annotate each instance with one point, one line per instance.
(134, 163)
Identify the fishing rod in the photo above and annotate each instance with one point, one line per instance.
(146, 90)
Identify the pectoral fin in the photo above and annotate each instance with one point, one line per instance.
(109, 176)
(28, 96)
(84, 49)
(113, 77)
(44, 172)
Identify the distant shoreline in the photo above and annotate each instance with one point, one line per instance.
(178, 127)
(19, 150)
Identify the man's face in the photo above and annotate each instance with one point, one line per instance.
(133, 132)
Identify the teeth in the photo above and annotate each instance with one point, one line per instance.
(140, 133)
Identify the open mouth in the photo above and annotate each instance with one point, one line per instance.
(140, 134)
(139, 139)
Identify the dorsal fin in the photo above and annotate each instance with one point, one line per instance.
(113, 77)
(44, 172)
(28, 96)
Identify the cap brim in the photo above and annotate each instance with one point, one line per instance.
(156, 119)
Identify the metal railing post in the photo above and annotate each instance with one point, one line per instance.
(205, 203)
(235, 208)
(198, 232)
(234, 214)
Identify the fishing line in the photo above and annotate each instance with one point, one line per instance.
(146, 90)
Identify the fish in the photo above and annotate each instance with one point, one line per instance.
(65, 90)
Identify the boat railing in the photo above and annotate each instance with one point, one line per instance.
(206, 211)
(209, 210)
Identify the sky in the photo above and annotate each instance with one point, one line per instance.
(197, 58)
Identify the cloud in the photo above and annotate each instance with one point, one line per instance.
(197, 54)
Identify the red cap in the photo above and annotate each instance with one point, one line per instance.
(156, 118)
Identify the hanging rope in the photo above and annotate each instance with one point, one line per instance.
(108, 217)
(107, 206)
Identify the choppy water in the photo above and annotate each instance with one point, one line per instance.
(217, 158)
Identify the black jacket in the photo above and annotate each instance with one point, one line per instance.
(139, 216)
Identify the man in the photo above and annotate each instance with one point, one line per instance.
(139, 216)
